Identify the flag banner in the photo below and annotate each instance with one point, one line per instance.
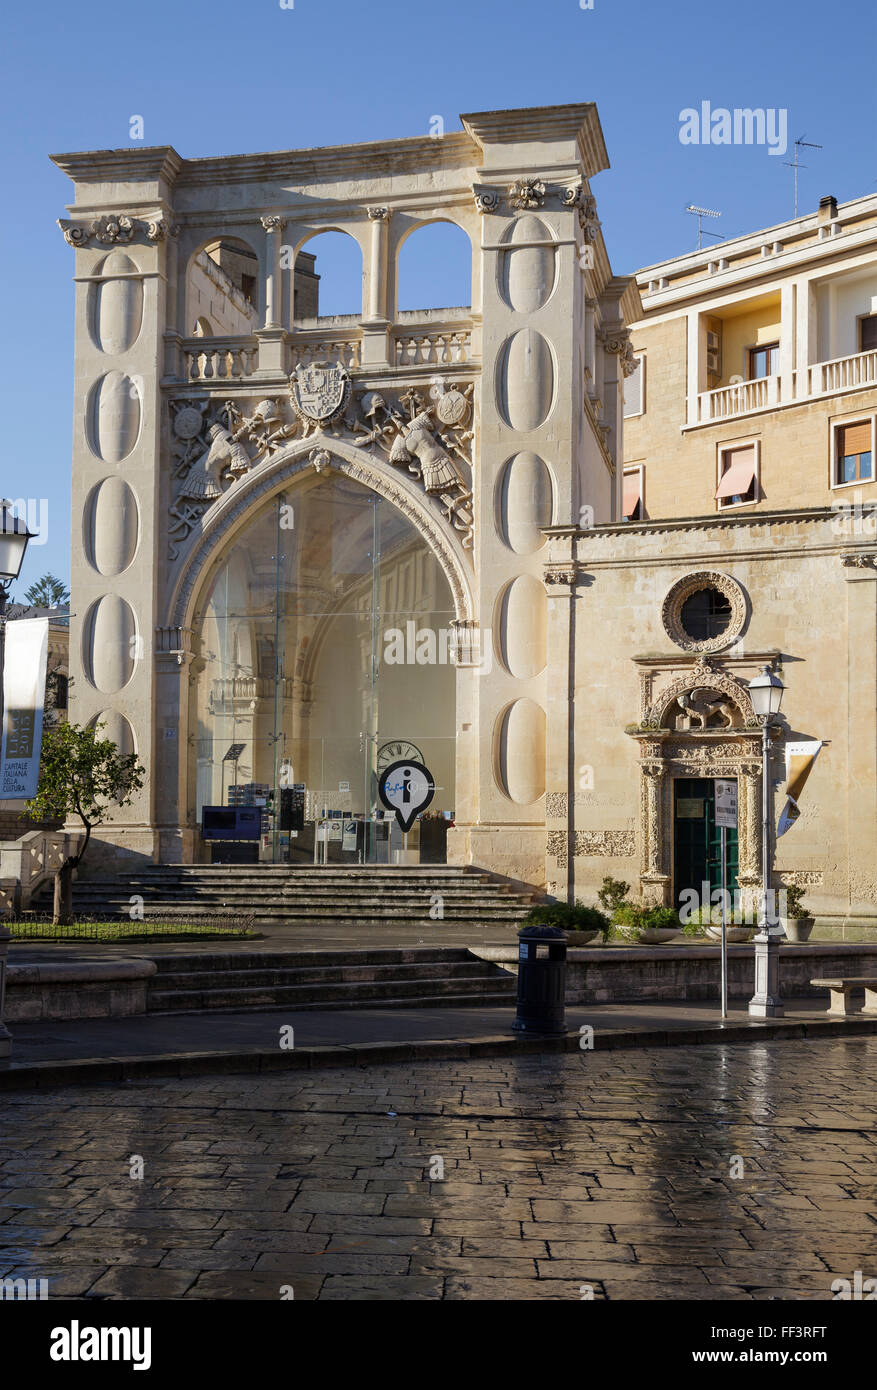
(800, 758)
(24, 692)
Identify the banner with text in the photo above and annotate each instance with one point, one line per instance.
(24, 691)
(800, 758)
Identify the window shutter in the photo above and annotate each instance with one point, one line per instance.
(854, 439)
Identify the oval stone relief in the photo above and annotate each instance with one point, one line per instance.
(520, 751)
(525, 384)
(526, 274)
(113, 416)
(116, 305)
(109, 644)
(522, 621)
(112, 527)
(525, 503)
(117, 729)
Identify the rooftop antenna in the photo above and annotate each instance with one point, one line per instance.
(700, 214)
(795, 163)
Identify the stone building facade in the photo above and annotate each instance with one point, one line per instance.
(242, 501)
(306, 546)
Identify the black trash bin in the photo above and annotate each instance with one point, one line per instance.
(541, 980)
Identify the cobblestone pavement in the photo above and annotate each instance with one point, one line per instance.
(724, 1172)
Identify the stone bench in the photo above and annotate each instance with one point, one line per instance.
(59, 989)
(842, 986)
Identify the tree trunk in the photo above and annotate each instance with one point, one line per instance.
(62, 908)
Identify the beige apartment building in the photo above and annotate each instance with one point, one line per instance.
(750, 510)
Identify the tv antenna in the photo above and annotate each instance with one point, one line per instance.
(700, 214)
(795, 164)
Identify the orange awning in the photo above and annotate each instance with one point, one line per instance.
(631, 495)
(737, 480)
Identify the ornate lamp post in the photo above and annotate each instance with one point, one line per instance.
(766, 692)
(14, 537)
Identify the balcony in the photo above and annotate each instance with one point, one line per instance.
(417, 342)
(820, 379)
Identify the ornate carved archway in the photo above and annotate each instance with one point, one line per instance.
(231, 510)
(673, 745)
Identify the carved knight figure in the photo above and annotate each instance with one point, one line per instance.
(201, 483)
(437, 468)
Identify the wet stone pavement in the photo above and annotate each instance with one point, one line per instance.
(717, 1172)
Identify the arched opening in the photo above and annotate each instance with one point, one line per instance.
(324, 655)
(222, 289)
(434, 268)
(328, 277)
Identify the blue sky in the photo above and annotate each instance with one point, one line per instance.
(223, 77)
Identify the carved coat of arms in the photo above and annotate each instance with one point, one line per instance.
(319, 391)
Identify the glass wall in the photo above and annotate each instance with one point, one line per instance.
(325, 654)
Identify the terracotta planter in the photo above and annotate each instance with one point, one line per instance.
(798, 928)
(732, 933)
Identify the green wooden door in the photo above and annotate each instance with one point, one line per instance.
(697, 840)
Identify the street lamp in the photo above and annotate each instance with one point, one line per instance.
(766, 693)
(14, 537)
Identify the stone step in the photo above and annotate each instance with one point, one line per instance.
(218, 959)
(193, 893)
(386, 993)
(302, 907)
(364, 975)
(432, 1001)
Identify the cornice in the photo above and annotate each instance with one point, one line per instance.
(144, 164)
(576, 121)
(707, 523)
(324, 163)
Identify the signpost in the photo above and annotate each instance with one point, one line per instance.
(726, 819)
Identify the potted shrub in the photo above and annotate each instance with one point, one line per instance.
(582, 924)
(797, 922)
(709, 921)
(647, 925)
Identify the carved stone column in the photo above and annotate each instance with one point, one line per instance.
(377, 340)
(654, 878)
(749, 836)
(560, 777)
(172, 354)
(273, 295)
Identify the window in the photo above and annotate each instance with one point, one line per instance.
(632, 501)
(854, 458)
(868, 333)
(738, 475)
(635, 390)
(705, 615)
(764, 361)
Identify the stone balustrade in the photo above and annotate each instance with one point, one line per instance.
(25, 865)
(441, 347)
(220, 359)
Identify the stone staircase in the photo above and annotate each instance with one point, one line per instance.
(415, 978)
(280, 894)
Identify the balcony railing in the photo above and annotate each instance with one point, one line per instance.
(326, 345)
(842, 374)
(220, 359)
(852, 373)
(438, 347)
(739, 399)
